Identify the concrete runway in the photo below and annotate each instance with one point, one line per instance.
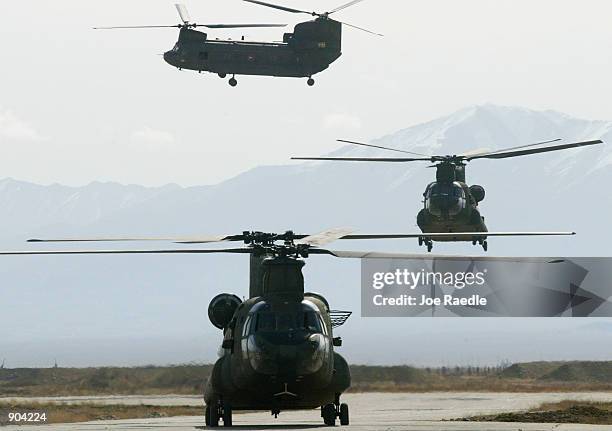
(389, 412)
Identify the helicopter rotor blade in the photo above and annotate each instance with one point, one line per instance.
(183, 13)
(504, 154)
(138, 26)
(326, 237)
(179, 240)
(159, 251)
(381, 148)
(430, 256)
(344, 6)
(458, 235)
(279, 7)
(359, 28)
(481, 151)
(365, 159)
(239, 25)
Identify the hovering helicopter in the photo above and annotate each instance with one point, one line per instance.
(451, 212)
(310, 49)
(278, 348)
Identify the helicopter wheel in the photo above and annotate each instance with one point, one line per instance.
(344, 414)
(227, 415)
(328, 411)
(207, 415)
(213, 415)
(310, 82)
(420, 241)
(485, 245)
(429, 246)
(233, 82)
(222, 75)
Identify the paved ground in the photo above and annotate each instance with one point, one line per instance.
(388, 412)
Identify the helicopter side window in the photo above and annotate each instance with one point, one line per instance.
(247, 325)
(312, 322)
(322, 323)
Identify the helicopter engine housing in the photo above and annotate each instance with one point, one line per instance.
(478, 192)
(222, 309)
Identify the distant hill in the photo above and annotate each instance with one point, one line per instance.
(576, 371)
(190, 379)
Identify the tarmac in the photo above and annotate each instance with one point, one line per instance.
(369, 411)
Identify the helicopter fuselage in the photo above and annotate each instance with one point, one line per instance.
(450, 205)
(278, 356)
(278, 346)
(310, 49)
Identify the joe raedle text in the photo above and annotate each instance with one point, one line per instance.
(406, 288)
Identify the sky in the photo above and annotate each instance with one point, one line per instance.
(79, 105)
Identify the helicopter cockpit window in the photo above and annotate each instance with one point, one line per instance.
(303, 320)
(265, 322)
(443, 198)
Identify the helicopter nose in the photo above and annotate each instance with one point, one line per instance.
(305, 356)
(441, 202)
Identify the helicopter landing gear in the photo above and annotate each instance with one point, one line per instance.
(222, 75)
(482, 242)
(427, 242)
(310, 82)
(227, 415)
(211, 416)
(330, 412)
(344, 414)
(233, 81)
(216, 412)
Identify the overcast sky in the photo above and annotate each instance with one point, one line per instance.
(78, 105)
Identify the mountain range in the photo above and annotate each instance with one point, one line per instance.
(153, 308)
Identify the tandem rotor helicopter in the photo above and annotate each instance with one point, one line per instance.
(278, 348)
(310, 49)
(451, 212)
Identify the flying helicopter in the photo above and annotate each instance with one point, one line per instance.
(310, 49)
(451, 211)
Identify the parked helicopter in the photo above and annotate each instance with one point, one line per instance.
(310, 49)
(278, 345)
(278, 349)
(451, 210)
